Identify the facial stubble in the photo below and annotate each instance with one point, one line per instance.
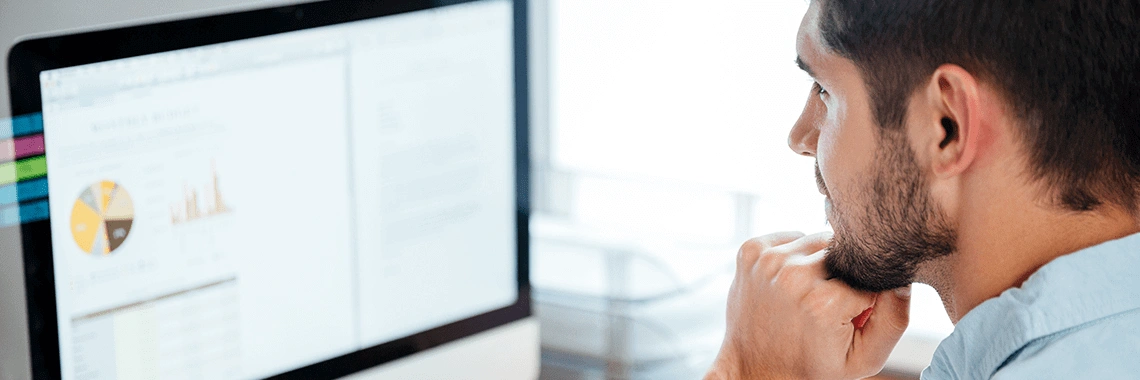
(898, 229)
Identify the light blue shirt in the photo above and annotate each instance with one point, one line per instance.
(1078, 317)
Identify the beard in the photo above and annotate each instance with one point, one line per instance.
(900, 227)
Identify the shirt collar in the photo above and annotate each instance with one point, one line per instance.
(1071, 290)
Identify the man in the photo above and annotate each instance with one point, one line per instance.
(989, 148)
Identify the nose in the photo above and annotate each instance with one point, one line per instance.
(804, 135)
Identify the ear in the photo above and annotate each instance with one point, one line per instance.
(952, 130)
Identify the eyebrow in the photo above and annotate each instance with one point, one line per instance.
(804, 66)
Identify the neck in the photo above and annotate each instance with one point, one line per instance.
(1007, 240)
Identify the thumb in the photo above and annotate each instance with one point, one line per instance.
(883, 329)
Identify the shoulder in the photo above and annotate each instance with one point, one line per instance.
(1103, 348)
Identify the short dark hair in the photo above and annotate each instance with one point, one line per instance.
(1069, 70)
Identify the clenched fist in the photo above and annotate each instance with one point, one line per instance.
(788, 319)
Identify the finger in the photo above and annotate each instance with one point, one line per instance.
(812, 264)
(849, 302)
(805, 245)
(892, 314)
(806, 252)
(779, 238)
(883, 329)
(752, 248)
(796, 259)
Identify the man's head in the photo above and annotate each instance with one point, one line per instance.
(912, 97)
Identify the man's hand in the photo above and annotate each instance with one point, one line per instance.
(787, 319)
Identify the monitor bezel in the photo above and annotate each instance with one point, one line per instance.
(28, 58)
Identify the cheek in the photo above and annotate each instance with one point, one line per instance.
(828, 154)
(845, 152)
(830, 157)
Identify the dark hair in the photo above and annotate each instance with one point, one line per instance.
(1069, 70)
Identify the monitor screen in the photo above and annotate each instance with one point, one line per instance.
(242, 209)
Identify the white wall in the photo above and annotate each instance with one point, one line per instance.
(22, 18)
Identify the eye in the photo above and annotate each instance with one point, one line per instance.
(819, 90)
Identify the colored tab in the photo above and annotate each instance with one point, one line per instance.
(34, 189)
(29, 168)
(7, 150)
(5, 128)
(21, 125)
(8, 194)
(34, 167)
(9, 215)
(27, 124)
(23, 191)
(34, 211)
(7, 173)
(29, 146)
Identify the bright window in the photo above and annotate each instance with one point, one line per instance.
(669, 120)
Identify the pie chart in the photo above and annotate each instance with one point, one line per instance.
(102, 218)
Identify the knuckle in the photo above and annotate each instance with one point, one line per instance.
(747, 254)
(772, 263)
(755, 245)
(752, 250)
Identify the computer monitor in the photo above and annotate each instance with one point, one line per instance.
(297, 192)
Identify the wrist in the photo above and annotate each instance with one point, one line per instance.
(729, 365)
